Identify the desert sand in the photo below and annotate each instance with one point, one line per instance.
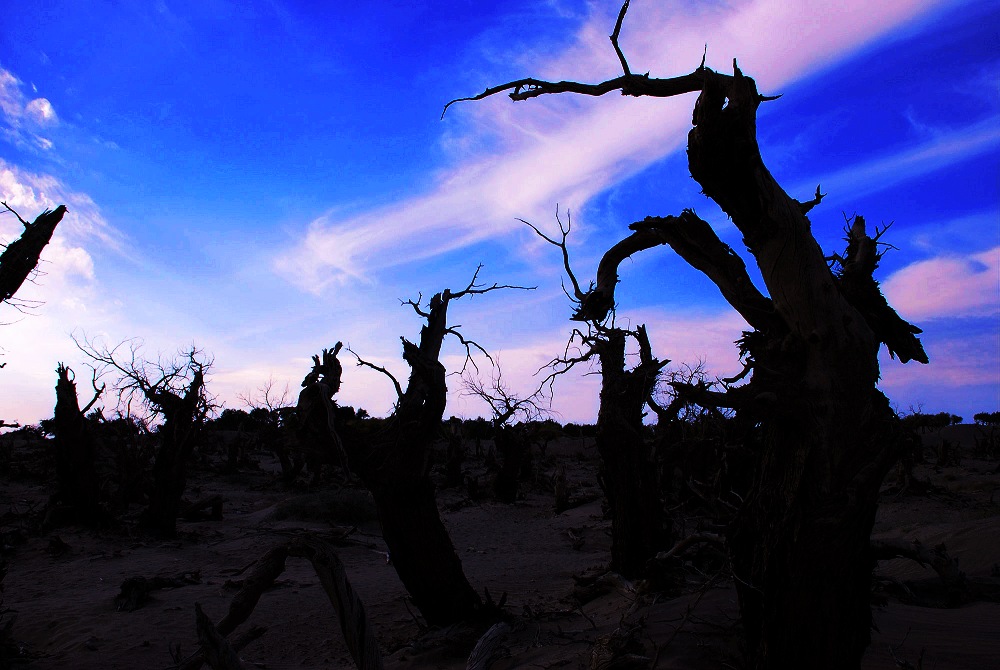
(62, 582)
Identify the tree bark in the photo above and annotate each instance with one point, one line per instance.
(21, 256)
(397, 471)
(629, 474)
(177, 438)
(395, 466)
(75, 452)
(800, 545)
(513, 447)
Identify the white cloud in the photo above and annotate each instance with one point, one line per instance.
(566, 149)
(947, 286)
(19, 116)
(31, 193)
(41, 112)
(11, 99)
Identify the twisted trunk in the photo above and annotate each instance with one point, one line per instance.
(395, 466)
(800, 545)
(75, 452)
(627, 468)
(177, 435)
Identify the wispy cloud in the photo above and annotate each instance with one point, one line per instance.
(947, 286)
(955, 363)
(66, 292)
(40, 111)
(943, 149)
(30, 193)
(21, 116)
(570, 154)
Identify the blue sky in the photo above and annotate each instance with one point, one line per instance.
(265, 178)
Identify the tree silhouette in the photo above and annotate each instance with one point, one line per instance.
(20, 257)
(511, 434)
(799, 545)
(394, 463)
(75, 451)
(628, 474)
(172, 391)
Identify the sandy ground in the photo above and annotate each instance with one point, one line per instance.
(62, 583)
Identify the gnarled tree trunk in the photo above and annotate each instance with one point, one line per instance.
(628, 472)
(800, 544)
(75, 452)
(395, 465)
(21, 256)
(181, 422)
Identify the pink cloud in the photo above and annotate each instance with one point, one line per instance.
(967, 285)
(954, 363)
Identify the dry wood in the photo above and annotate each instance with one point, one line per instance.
(489, 648)
(193, 511)
(21, 256)
(824, 434)
(267, 569)
(354, 623)
(135, 590)
(218, 654)
(937, 559)
(690, 541)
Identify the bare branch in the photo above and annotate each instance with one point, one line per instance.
(267, 397)
(809, 204)
(630, 84)
(469, 346)
(133, 375)
(415, 304)
(11, 210)
(747, 369)
(857, 284)
(478, 289)
(563, 364)
(578, 295)
(97, 393)
(614, 39)
(378, 368)
(503, 402)
(694, 241)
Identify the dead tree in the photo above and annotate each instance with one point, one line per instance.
(800, 544)
(395, 463)
(694, 452)
(510, 434)
(173, 392)
(20, 257)
(76, 450)
(628, 474)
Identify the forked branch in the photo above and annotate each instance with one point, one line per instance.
(378, 368)
(11, 210)
(614, 39)
(629, 84)
(503, 402)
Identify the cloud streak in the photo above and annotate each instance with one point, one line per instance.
(943, 150)
(585, 147)
(20, 116)
(947, 286)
